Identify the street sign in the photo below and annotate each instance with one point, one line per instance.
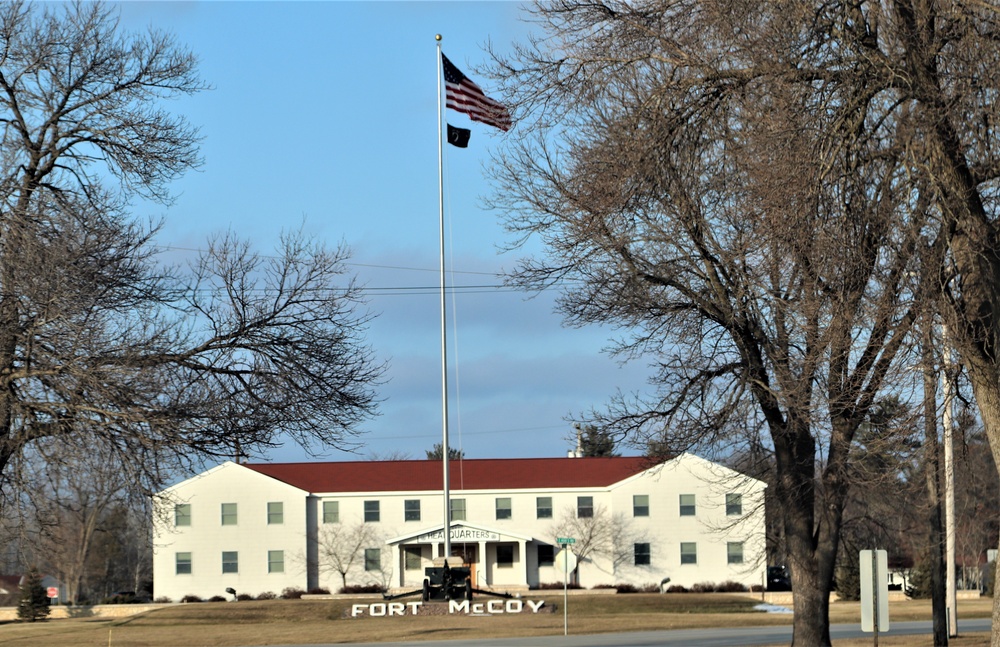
(565, 540)
(52, 592)
(874, 591)
(565, 562)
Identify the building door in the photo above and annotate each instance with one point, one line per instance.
(470, 556)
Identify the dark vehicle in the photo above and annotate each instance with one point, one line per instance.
(778, 578)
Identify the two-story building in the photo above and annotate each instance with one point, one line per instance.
(269, 526)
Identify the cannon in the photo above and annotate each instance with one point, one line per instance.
(446, 582)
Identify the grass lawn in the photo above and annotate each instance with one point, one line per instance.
(223, 624)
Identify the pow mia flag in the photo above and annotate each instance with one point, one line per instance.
(458, 136)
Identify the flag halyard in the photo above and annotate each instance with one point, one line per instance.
(462, 95)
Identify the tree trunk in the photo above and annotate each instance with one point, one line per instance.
(811, 550)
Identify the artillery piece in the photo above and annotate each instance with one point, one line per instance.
(444, 582)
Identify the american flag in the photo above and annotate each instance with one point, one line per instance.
(463, 95)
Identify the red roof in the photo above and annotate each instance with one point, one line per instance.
(467, 474)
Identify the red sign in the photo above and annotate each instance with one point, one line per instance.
(52, 592)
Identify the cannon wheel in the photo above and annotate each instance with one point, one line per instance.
(468, 589)
(427, 590)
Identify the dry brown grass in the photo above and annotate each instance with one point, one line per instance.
(323, 621)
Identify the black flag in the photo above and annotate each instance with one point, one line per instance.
(458, 136)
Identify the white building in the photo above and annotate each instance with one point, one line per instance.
(265, 527)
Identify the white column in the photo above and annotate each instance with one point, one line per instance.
(481, 566)
(522, 547)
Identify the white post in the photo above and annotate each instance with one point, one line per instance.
(566, 594)
(951, 595)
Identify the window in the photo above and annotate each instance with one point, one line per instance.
(505, 556)
(275, 513)
(275, 561)
(734, 504)
(228, 514)
(503, 508)
(640, 505)
(373, 559)
(543, 507)
(183, 564)
(641, 554)
(411, 510)
(687, 505)
(412, 558)
(331, 512)
(182, 514)
(372, 514)
(584, 507)
(689, 553)
(734, 552)
(546, 555)
(230, 562)
(458, 509)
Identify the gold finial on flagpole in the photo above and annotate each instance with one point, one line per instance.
(437, 37)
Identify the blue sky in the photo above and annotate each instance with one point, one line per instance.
(323, 115)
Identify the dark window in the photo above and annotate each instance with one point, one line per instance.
(183, 564)
(734, 504)
(182, 514)
(687, 505)
(640, 505)
(411, 510)
(458, 509)
(412, 558)
(584, 507)
(734, 552)
(275, 512)
(505, 556)
(642, 554)
(543, 507)
(689, 553)
(373, 559)
(546, 555)
(331, 512)
(230, 562)
(503, 508)
(372, 513)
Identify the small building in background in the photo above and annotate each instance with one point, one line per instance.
(267, 527)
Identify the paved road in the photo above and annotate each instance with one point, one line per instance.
(739, 637)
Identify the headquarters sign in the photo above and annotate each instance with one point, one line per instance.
(459, 534)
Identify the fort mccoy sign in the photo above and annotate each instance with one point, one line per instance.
(465, 607)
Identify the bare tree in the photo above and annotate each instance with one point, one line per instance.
(341, 549)
(99, 339)
(602, 534)
(723, 184)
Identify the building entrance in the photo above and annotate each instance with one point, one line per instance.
(470, 556)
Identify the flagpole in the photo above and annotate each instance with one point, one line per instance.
(444, 336)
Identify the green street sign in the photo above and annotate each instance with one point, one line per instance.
(565, 540)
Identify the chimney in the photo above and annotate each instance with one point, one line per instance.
(578, 452)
